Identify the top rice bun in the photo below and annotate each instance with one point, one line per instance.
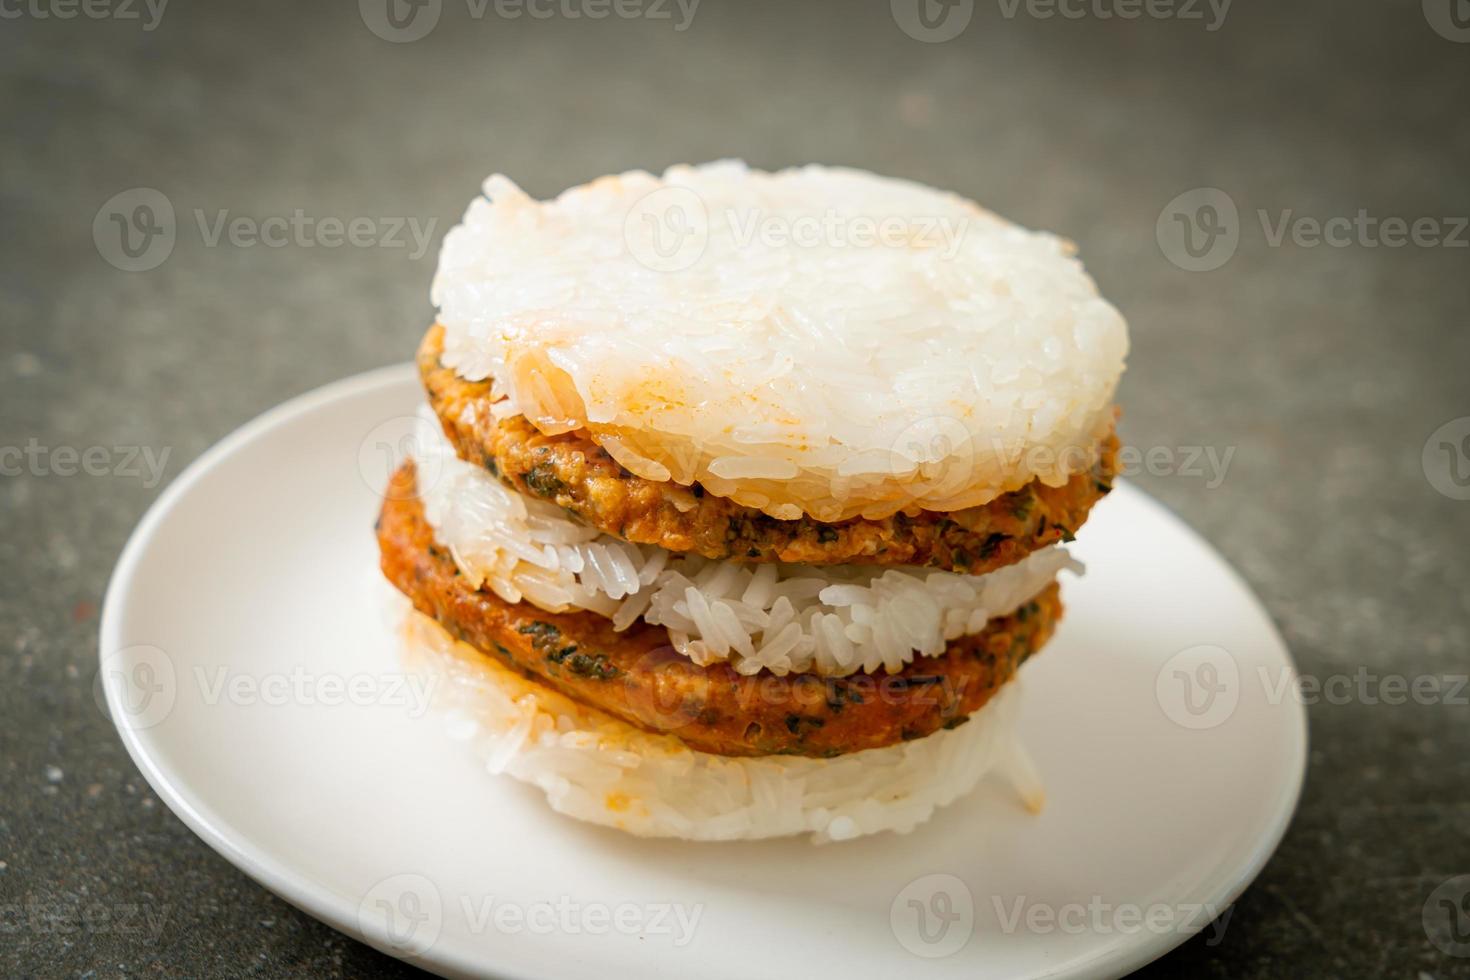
(817, 340)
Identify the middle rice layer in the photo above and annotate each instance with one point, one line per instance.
(830, 620)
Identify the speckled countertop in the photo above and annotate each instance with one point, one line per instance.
(1322, 367)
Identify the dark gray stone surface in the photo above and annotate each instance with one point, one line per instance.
(1325, 369)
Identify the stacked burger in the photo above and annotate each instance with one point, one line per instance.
(742, 497)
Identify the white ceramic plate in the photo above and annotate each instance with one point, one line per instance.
(252, 675)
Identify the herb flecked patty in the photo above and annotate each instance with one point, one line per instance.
(638, 677)
(573, 472)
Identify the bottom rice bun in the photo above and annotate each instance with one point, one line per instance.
(596, 768)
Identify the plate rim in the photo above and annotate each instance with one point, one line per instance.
(302, 891)
(294, 887)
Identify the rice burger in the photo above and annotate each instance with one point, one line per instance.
(752, 542)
